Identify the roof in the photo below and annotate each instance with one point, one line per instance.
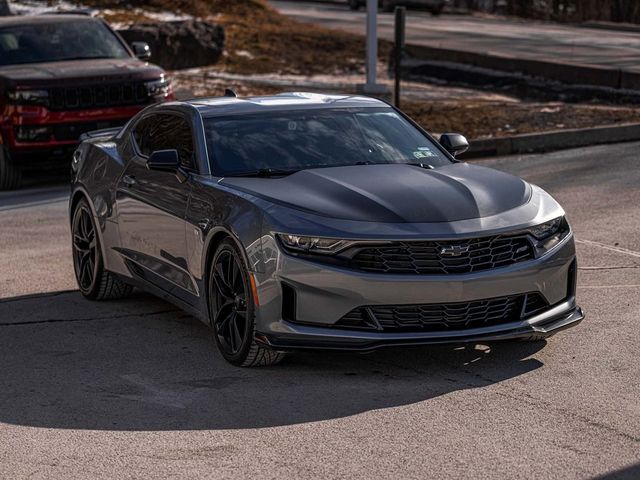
(217, 106)
(44, 19)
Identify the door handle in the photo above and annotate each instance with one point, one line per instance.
(129, 180)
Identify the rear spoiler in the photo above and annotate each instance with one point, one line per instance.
(105, 132)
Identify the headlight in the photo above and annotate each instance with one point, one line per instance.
(158, 88)
(546, 229)
(549, 234)
(319, 245)
(29, 97)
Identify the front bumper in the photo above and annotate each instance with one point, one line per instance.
(303, 337)
(324, 294)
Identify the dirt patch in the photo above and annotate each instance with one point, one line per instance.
(258, 38)
(499, 119)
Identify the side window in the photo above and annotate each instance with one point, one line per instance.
(166, 132)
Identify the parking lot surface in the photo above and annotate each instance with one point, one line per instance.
(136, 388)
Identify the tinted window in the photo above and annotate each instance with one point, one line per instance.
(166, 132)
(57, 41)
(329, 137)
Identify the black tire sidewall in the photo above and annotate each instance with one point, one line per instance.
(238, 358)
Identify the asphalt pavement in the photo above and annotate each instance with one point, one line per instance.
(510, 38)
(136, 388)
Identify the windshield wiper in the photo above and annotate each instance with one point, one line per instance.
(90, 57)
(264, 172)
(421, 165)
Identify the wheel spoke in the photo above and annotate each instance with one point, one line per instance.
(84, 245)
(221, 285)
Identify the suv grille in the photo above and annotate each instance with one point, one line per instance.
(444, 257)
(115, 95)
(437, 317)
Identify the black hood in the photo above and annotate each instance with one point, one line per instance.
(79, 72)
(393, 192)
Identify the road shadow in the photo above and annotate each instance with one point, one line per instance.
(140, 364)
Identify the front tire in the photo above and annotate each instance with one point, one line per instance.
(94, 282)
(232, 310)
(10, 174)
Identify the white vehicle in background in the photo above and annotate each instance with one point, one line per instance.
(433, 6)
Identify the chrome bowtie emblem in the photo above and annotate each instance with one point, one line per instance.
(453, 250)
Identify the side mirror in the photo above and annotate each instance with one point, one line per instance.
(454, 143)
(141, 50)
(164, 161)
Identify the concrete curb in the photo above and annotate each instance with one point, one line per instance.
(574, 74)
(553, 140)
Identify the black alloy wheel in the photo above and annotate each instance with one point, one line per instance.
(85, 248)
(231, 309)
(94, 281)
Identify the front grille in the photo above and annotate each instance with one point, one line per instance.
(97, 96)
(444, 257)
(438, 317)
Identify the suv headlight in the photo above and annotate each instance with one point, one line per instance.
(29, 97)
(158, 88)
(319, 245)
(549, 234)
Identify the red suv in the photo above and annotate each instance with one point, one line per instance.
(61, 76)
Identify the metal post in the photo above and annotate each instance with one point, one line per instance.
(398, 51)
(371, 86)
(372, 43)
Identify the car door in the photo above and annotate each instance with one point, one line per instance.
(152, 204)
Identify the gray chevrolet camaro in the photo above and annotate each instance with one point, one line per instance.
(307, 221)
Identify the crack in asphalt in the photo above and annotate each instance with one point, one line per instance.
(69, 320)
(612, 248)
(514, 394)
(617, 267)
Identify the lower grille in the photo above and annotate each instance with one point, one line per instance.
(437, 317)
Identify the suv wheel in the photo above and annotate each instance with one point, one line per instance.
(10, 174)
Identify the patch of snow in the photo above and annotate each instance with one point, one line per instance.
(34, 7)
(163, 16)
(244, 53)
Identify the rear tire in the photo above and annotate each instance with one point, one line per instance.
(232, 310)
(94, 282)
(10, 174)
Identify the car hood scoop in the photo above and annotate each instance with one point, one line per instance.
(393, 192)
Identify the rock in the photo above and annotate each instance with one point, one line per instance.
(179, 44)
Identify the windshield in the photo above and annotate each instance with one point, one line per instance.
(57, 41)
(331, 137)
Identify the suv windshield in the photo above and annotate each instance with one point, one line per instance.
(58, 41)
(327, 137)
